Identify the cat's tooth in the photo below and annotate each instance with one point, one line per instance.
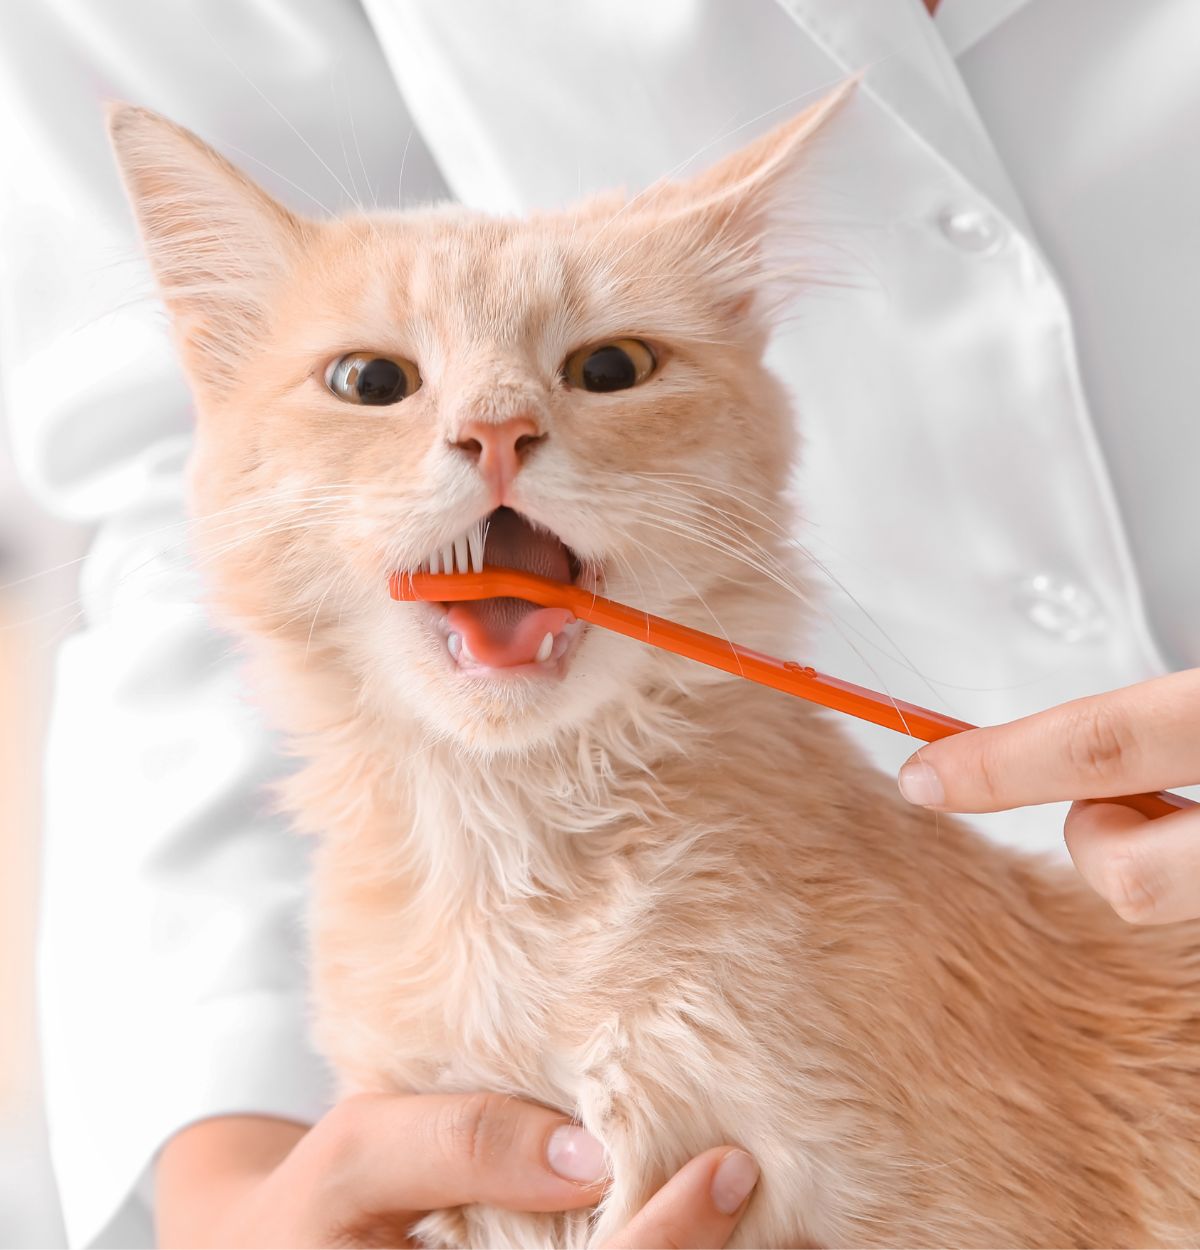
(454, 644)
(475, 543)
(460, 555)
(543, 652)
(464, 652)
(448, 558)
(435, 564)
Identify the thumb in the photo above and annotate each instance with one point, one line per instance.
(698, 1207)
(408, 1155)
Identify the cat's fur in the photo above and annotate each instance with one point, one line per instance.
(672, 903)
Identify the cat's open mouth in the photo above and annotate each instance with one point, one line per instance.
(488, 634)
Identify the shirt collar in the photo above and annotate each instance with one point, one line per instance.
(963, 23)
(909, 71)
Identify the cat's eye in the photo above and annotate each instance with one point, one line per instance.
(372, 378)
(614, 366)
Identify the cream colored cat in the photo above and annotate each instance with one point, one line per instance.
(557, 863)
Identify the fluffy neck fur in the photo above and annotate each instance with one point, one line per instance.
(494, 827)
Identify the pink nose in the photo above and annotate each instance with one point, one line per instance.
(499, 446)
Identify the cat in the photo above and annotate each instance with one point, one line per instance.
(558, 864)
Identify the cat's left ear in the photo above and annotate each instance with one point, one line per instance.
(218, 244)
(744, 215)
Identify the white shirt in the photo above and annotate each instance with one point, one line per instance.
(981, 465)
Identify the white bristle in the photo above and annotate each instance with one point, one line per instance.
(435, 564)
(460, 555)
(448, 558)
(475, 543)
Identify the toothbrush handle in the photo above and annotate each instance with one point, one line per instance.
(788, 676)
(807, 683)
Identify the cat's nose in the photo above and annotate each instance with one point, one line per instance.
(500, 447)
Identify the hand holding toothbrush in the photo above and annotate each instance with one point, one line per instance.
(1139, 738)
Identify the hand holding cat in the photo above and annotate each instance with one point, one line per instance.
(1139, 738)
(367, 1172)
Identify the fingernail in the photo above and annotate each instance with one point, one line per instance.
(920, 785)
(735, 1177)
(575, 1154)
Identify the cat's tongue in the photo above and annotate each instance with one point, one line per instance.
(505, 632)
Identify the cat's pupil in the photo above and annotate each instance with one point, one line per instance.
(381, 381)
(609, 369)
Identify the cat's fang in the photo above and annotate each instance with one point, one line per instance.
(543, 652)
(454, 644)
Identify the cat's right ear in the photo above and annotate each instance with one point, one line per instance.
(218, 244)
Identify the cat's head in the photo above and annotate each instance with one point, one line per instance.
(579, 394)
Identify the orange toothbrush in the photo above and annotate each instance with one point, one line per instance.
(786, 675)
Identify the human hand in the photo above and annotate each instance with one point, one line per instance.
(1140, 738)
(376, 1163)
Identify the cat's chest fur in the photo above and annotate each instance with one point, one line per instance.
(887, 1012)
(463, 988)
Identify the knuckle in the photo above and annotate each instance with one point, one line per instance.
(1131, 887)
(331, 1155)
(340, 1130)
(1099, 743)
(474, 1131)
(988, 777)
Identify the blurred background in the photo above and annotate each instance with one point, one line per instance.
(37, 607)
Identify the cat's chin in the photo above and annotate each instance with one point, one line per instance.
(501, 708)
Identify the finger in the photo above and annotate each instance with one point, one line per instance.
(407, 1155)
(1143, 737)
(698, 1207)
(1147, 870)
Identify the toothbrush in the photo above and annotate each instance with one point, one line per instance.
(788, 676)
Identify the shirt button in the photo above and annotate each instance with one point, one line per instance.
(1060, 607)
(972, 229)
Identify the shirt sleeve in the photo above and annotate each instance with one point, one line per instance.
(172, 978)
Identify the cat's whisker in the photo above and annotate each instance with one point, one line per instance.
(412, 130)
(888, 647)
(262, 95)
(770, 524)
(341, 136)
(634, 579)
(281, 177)
(722, 516)
(188, 524)
(362, 164)
(741, 494)
(656, 558)
(333, 581)
(681, 529)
